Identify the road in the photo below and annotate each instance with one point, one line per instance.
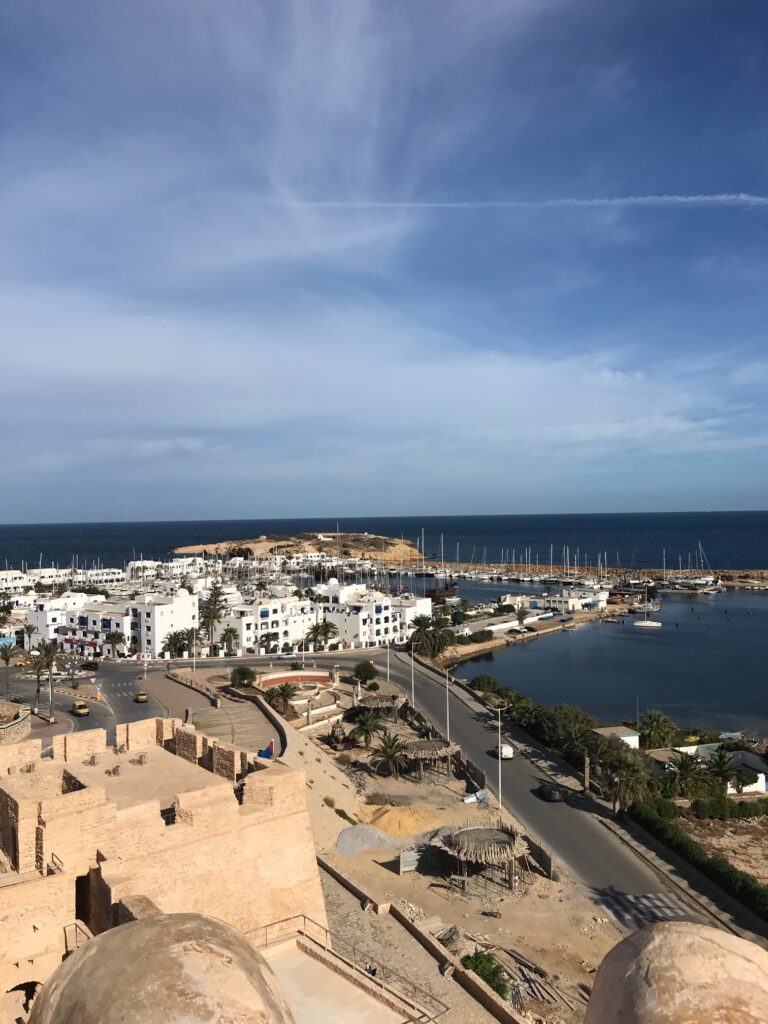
(612, 874)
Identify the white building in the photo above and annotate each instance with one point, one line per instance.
(50, 614)
(570, 600)
(290, 617)
(13, 581)
(631, 737)
(81, 622)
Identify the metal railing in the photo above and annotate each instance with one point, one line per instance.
(424, 1006)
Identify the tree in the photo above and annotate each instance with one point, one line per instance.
(521, 614)
(242, 675)
(38, 668)
(656, 730)
(364, 672)
(229, 637)
(320, 634)
(422, 624)
(48, 651)
(367, 726)
(267, 639)
(486, 684)
(723, 768)
(213, 610)
(431, 635)
(175, 643)
(285, 693)
(7, 653)
(30, 629)
(390, 754)
(688, 770)
(115, 639)
(629, 784)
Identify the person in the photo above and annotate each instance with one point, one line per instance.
(371, 968)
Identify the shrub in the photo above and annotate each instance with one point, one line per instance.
(364, 671)
(481, 636)
(329, 801)
(295, 666)
(739, 884)
(485, 683)
(485, 967)
(241, 675)
(372, 686)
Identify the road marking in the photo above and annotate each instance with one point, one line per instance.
(630, 909)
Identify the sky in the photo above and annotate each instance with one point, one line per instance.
(340, 257)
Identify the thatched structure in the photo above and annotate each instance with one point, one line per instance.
(434, 754)
(385, 707)
(494, 853)
(487, 847)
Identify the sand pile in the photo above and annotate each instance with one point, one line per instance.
(403, 821)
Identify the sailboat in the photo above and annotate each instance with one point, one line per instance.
(645, 622)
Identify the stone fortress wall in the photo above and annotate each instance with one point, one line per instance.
(167, 814)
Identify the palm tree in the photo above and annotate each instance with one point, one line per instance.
(285, 694)
(229, 637)
(328, 632)
(367, 725)
(422, 624)
(175, 643)
(38, 668)
(314, 635)
(688, 770)
(30, 630)
(390, 754)
(8, 652)
(47, 651)
(656, 730)
(723, 768)
(213, 610)
(441, 636)
(115, 638)
(267, 639)
(628, 784)
(521, 614)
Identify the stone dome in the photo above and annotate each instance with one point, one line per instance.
(164, 969)
(681, 973)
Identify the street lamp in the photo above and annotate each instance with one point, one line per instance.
(447, 710)
(498, 753)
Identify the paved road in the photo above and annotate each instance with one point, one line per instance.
(592, 855)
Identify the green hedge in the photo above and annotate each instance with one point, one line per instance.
(742, 886)
(722, 808)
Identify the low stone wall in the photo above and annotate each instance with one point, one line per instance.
(15, 723)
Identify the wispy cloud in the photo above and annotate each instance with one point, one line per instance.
(719, 199)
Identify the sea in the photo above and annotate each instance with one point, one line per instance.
(705, 668)
(730, 540)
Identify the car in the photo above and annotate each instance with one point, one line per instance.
(505, 752)
(80, 709)
(552, 794)
(22, 663)
(90, 666)
(141, 697)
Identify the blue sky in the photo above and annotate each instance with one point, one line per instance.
(351, 258)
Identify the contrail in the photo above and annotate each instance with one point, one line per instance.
(718, 199)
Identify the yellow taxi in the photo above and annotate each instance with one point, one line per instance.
(22, 663)
(141, 697)
(80, 708)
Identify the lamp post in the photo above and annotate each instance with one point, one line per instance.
(387, 660)
(498, 753)
(447, 710)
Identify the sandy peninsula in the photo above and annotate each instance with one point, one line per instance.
(348, 545)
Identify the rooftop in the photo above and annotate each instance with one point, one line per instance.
(616, 730)
(161, 777)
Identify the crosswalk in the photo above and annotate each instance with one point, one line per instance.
(631, 910)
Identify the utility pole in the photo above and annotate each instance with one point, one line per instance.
(413, 683)
(447, 710)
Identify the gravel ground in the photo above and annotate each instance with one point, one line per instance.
(382, 939)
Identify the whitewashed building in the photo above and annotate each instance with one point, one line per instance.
(290, 617)
(13, 581)
(49, 615)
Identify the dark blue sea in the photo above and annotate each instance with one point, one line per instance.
(706, 666)
(730, 540)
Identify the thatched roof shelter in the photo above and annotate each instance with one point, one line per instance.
(489, 847)
(377, 702)
(429, 750)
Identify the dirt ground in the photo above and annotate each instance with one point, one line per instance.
(744, 843)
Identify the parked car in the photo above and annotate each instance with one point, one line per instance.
(90, 666)
(552, 794)
(141, 697)
(22, 663)
(505, 752)
(80, 709)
